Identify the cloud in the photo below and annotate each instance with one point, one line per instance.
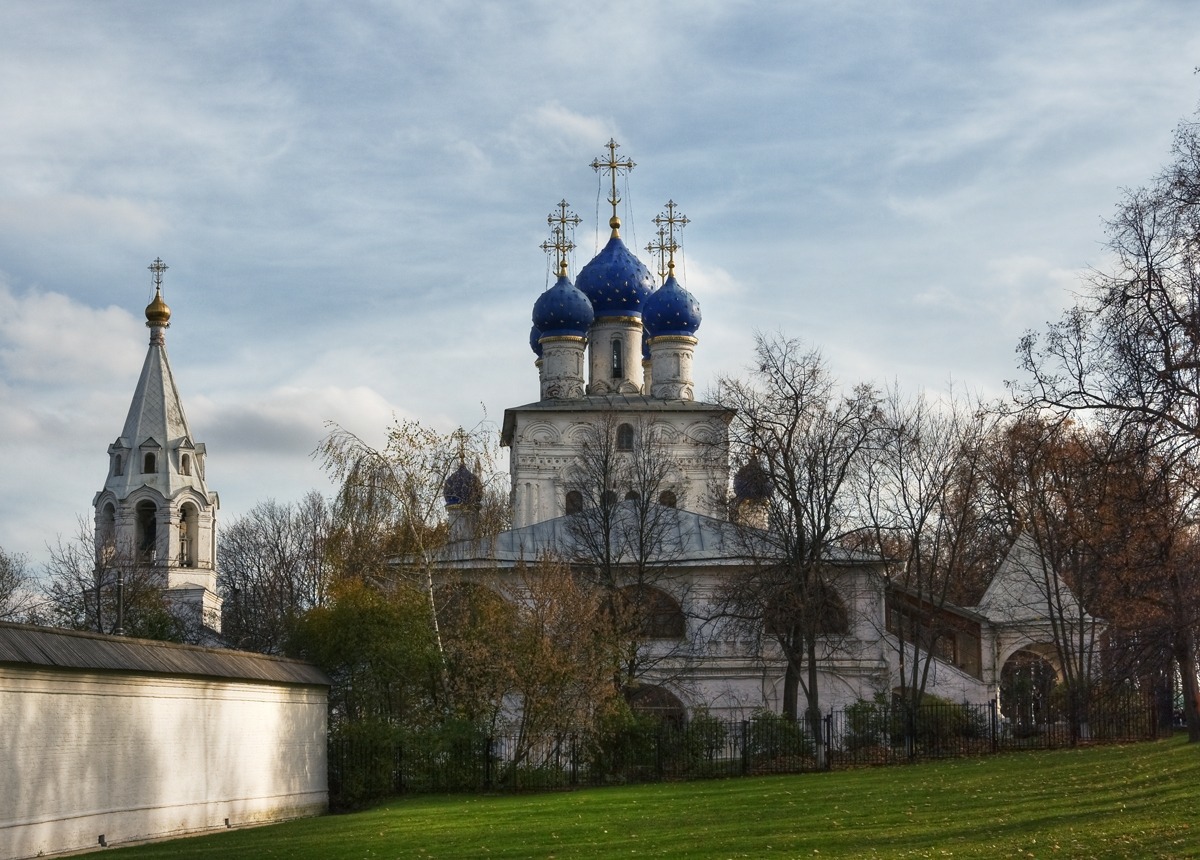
(46, 337)
(64, 217)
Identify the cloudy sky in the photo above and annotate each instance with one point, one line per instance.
(351, 196)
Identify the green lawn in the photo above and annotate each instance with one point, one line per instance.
(1138, 801)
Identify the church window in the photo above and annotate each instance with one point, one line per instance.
(108, 532)
(792, 613)
(185, 465)
(624, 437)
(574, 501)
(667, 499)
(654, 613)
(618, 359)
(187, 528)
(632, 496)
(149, 464)
(147, 530)
(609, 498)
(117, 465)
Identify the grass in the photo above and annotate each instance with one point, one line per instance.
(1138, 801)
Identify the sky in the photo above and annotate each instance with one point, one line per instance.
(351, 197)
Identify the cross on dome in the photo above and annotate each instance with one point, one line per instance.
(562, 232)
(659, 248)
(613, 167)
(669, 222)
(158, 315)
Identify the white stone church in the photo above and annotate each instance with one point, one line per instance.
(614, 353)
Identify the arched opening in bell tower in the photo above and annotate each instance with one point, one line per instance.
(188, 524)
(147, 530)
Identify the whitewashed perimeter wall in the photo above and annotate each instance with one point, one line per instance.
(134, 757)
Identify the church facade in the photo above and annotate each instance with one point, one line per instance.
(614, 353)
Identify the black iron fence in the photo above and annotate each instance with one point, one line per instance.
(369, 762)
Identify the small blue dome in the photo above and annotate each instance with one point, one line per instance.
(463, 487)
(751, 483)
(562, 311)
(671, 310)
(615, 281)
(535, 337)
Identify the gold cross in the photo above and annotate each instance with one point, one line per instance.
(660, 247)
(158, 267)
(562, 227)
(670, 222)
(613, 167)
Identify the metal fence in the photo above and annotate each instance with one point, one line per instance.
(371, 762)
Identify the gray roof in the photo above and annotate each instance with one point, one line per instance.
(601, 403)
(25, 645)
(685, 538)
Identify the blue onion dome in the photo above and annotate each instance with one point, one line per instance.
(616, 281)
(562, 310)
(463, 487)
(671, 310)
(535, 337)
(752, 483)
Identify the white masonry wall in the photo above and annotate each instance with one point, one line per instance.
(128, 757)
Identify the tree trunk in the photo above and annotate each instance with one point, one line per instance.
(1185, 656)
(791, 691)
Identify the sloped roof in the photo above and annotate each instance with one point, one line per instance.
(683, 537)
(1024, 588)
(155, 416)
(29, 646)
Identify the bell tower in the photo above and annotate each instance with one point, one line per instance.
(155, 513)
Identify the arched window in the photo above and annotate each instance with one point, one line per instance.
(624, 437)
(107, 532)
(118, 465)
(618, 359)
(653, 701)
(608, 499)
(187, 536)
(574, 501)
(649, 611)
(185, 465)
(632, 496)
(149, 464)
(822, 612)
(147, 530)
(667, 499)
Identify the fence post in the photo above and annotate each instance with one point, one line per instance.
(574, 761)
(994, 718)
(828, 721)
(745, 748)
(487, 763)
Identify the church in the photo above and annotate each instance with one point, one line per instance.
(155, 515)
(616, 465)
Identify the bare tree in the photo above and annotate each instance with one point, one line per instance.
(921, 487)
(274, 564)
(810, 441)
(17, 598)
(393, 498)
(1130, 347)
(109, 589)
(625, 540)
